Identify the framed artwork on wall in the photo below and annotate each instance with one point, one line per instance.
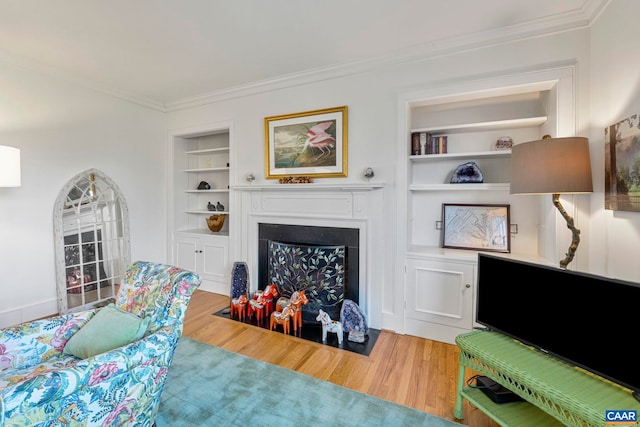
(311, 143)
(622, 165)
(476, 227)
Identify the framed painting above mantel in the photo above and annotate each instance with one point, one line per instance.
(311, 143)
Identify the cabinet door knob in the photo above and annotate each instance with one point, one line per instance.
(467, 286)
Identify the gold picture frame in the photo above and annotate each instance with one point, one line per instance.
(311, 143)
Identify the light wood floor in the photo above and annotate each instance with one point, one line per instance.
(404, 369)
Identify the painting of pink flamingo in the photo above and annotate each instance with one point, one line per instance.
(312, 143)
(309, 144)
(317, 137)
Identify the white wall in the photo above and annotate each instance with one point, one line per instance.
(372, 101)
(62, 129)
(615, 95)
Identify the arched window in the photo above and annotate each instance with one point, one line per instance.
(92, 247)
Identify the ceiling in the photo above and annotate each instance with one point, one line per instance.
(160, 52)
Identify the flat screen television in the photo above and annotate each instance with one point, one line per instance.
(587, 320)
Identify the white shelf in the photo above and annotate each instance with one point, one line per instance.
(223, 190)
(203, 232)
(464, 155)
(446, 253)
(496, 186)
(483, 126)
(199, 170)
(209, 151)
(205, 212)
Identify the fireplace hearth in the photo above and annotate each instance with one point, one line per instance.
(312, 331)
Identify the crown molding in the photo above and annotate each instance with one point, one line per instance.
(74, 79)
(581, 18)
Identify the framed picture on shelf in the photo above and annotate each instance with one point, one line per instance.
(476, 227)
(311, 143)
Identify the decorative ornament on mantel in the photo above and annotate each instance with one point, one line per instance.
(368, 173)
(296, 180)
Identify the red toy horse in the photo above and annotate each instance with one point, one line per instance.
(270, 293)
(281, 318)
(239, 305)
(262, 301)
(298, 298)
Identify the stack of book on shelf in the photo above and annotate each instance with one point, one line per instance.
(426, 143)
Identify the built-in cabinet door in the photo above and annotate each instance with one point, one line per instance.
(439, 297)
(215, 264)
(207, 256)
(187, 253)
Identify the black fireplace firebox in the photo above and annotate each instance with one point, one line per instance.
(346, 239)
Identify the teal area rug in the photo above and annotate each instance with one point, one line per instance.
(209, 386)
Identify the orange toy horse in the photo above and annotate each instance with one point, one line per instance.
(239, 305)
(298, 298)
(262, 302)
(270, 293)
(281, 318)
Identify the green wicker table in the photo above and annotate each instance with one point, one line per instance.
(554, 392)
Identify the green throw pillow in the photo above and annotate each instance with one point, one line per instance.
(110, 328)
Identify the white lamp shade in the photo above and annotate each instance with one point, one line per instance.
(551, 166)
(9, 166)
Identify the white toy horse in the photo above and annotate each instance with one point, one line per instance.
(329, 325)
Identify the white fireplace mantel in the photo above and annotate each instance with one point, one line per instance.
(348, 205)
(358, 186)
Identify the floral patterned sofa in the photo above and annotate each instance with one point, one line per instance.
(42, 385)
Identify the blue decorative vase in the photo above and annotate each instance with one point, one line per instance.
(239, 279)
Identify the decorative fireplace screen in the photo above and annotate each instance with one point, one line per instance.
(318, 270)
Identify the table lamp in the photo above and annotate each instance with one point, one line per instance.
(553, 166)
(9, 166)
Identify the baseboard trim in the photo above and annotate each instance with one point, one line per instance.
(28, 312)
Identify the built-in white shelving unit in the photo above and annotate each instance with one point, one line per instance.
(202, 156)
(440, 283)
